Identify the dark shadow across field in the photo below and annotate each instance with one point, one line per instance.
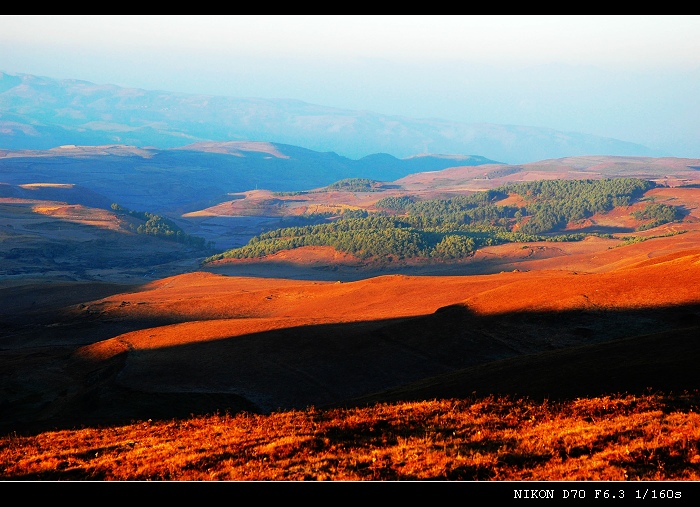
(452, 353)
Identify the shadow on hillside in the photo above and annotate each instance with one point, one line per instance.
(602, 229)
(452, 353)
(355, 272)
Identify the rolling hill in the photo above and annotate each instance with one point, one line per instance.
(265, 344)
(102, 327)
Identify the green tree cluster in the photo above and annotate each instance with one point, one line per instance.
(399, 203)
(455, 228)
(356, 185)
(659, 214)
(156, 225)
(552, 204)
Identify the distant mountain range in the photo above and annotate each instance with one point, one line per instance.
(40, 113)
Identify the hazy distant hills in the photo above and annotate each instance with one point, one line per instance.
(42, 113)
(202, 174)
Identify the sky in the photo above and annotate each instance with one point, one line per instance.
(634, 78)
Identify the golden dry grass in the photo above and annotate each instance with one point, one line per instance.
(623, 437)
(641, 279)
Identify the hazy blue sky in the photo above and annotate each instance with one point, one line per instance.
(635, 78)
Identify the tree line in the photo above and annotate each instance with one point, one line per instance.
(448, 229)
(156, 225)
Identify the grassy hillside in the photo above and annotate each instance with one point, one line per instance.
(611, 438)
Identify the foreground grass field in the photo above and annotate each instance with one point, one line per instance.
(624, 437)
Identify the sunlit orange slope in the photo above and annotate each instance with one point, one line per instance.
(212, 306)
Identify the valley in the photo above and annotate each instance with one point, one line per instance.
(107, 321)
